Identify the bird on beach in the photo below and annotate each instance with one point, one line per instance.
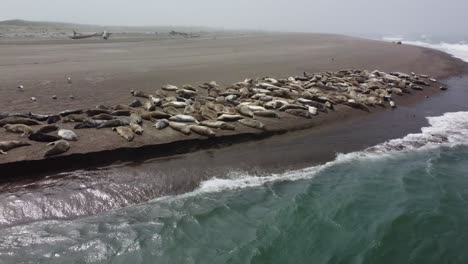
(20, 87)
(33, 99)
(69, 79)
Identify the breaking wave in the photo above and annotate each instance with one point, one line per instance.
(458, 50)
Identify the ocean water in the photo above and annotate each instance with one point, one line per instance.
(457, 48)
(402, 201)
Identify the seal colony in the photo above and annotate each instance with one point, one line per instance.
(210, 108)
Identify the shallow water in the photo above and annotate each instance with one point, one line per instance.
(402, 201)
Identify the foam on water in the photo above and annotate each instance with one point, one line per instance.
(458, 50)
(448, 130)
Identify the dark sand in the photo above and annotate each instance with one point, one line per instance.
(106, 72)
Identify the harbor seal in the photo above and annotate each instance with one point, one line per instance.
(175, 104)
(9, 145)
(137, 129)
(208, 113)
(18, 120)
(136, 118)
(121, 113)
(135, 103)
(229, 118)
(123, 107)
(266, 113)
(154, 114)
(161, 124)
(252, 123)
(53, 119)
(103, 117)
(95, 112)
(114, 123)
(70, 112)
(42, 137)
(89, 124)
(38, 117)
(47, 129)
(244, 110)
(67, 135)
(218, 125)
(139, 94)
(180, 127)
(299, 112)
(183, 119)
(73, 118)
(171, 110)
(57, 147)
(125, 132)
(203, 131)
(169, 87)
(19, 128)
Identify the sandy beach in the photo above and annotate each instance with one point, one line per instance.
(105, 72)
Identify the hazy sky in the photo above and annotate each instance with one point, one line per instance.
(342, 16)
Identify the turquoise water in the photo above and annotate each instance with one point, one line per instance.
(403, 201)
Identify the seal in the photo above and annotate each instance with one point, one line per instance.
(137, 129)
(218, 125)
(183, 119)
(57, 147)
(244, 110)
(73, 118)
(89, 124)
(47, 129)
(161, 124)
(149, 106)
(291, 106)
(169, 87)
(121, 113)
(139, 94)
(299, 112)
(123, 107)
(266, 113)
(42, 137)
(229, 118)
(103, 117)
(208, 113)
(154, 114)
(67, 135)
(70, 112)
(252, 123)
(18, 120)
(125, 132)
(175, 104)
(19, 128)
(53, 119)
(38, 117)
(95, 112)
(180, 127)
(171, 110)
(136, 118)
(203, 131)
(115, 123)
(360, 106)
(12, 144)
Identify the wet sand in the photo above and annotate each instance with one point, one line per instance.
(106, 72)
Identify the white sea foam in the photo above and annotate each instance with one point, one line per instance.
(449, 130)
(458, 50)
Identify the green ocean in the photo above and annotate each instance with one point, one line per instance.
(403, 201)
